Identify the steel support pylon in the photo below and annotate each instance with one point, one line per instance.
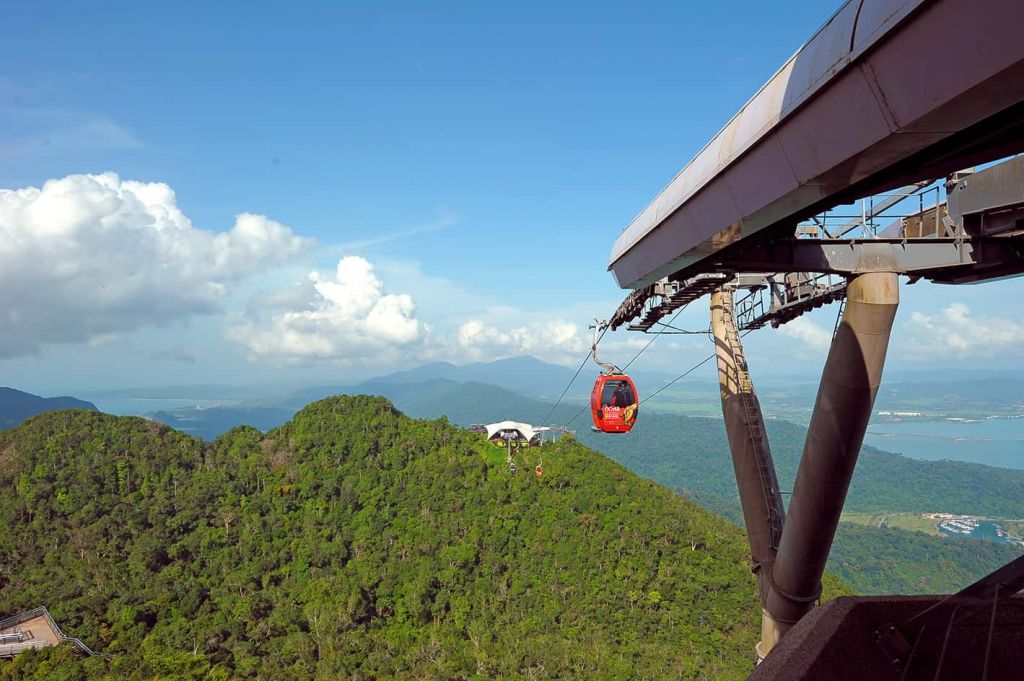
(751, 453)
(849, 384)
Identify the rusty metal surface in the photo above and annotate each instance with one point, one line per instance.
(925, 224)
(760, 498)
(989, 202)
(863, 95)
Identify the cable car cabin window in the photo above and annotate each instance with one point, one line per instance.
(617, 394)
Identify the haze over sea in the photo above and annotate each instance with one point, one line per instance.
(143, 406)
(993, 442)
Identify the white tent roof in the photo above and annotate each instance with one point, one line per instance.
(525, 429)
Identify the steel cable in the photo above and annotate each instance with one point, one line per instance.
(661, 331)
(573, 379)
(687, 372)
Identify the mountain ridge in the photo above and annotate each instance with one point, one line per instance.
(17, 405)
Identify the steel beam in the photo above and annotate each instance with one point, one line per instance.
(847, 392)
(874, 100)
(751, 454)
(942, 259)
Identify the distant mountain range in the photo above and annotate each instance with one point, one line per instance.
(525, 375)
(522, 375)
(16, 406)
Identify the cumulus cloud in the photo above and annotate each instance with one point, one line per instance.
(87, 257)
(345, 318)
(553, 340)
(812, 336)
(954, 330)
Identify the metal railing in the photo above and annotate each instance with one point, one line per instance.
(34, 613)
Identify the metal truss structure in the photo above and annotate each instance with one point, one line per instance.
(974, 234)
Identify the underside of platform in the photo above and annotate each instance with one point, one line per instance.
(838, 642)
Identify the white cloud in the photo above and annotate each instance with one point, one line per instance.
(347, 318)
(954, 331)
(87, 257)
(556, 340)
(813, 337)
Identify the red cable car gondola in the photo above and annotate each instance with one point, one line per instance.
(613, 402)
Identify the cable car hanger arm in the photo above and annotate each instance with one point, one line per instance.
(601, 327)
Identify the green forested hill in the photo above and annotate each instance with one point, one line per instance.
(887, 560)
(691, 455)
(354, 542)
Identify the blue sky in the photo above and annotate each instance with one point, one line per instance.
(479, 158)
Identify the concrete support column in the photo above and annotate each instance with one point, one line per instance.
(751, 454)
(849, 384)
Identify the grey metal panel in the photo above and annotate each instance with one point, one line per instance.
(878, 16)
(765, 176)
(994, 188)
(839, 124)
(712, 208)
(915, 81)
(824, 55)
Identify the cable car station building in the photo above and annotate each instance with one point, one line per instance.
(510, 433)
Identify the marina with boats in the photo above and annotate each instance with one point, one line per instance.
(975, 527)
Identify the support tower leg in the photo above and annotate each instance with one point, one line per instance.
(846, 395)
(751, 454)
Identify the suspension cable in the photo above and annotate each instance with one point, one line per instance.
(679, 378)
(660, 331)
(569, 422)
(573, 379)
(687, 372)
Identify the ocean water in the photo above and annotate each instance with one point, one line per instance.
(994, 441)
(140, 406)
